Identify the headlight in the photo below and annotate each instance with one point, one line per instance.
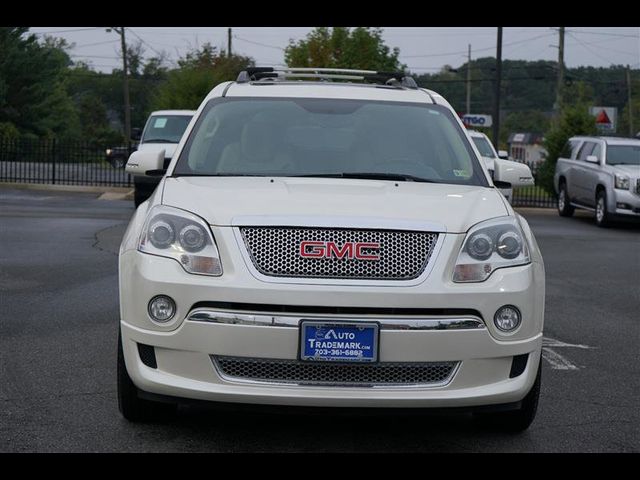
(108, 151)
(622, 182)
(174, 233)
(496, 243)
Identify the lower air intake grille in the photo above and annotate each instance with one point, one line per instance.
(296, 372)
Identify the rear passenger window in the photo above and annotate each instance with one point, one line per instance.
(569, 150)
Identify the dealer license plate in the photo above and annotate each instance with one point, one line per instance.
(347, 342)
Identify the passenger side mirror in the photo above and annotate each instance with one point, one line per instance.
(149, 163)
(503, 154)
(591, 159)
(514, 173)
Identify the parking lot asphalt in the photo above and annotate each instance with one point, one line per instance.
(58, 331)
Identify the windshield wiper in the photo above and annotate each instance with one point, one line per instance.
(159, 140)
(370, 175)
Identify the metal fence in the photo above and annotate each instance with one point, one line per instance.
(84, 163)
(62, 162)
(533, 196)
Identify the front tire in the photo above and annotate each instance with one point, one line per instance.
(603, 217)
(130, 405)
(565, 209)
(517, 420)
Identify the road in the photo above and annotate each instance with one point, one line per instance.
(58, 328)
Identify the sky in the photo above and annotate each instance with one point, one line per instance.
(423, 50)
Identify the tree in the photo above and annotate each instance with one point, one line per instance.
(341, 47)
(199, 71)
(574, 119)
(33, 96)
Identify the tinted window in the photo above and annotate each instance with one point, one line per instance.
(293, 137)
(597, 151)
(484, 147)
(165, 128)
(623, 154)
(585, 150)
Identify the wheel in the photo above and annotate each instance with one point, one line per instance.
(603, 218)
(516, 420)
(130, 405)
(565, 209)
(119, 162)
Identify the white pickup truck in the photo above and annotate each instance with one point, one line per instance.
(601, 174)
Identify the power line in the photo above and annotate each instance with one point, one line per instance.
(477, 49)
(67, 31)
(586, 47)
(145, 42)
(257, 43)
(603, 33)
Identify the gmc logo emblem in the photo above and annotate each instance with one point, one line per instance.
(351, 250)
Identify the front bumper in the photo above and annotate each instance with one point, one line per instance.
(630, 199)
(184, 347)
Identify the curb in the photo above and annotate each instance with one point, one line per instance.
(68, 188)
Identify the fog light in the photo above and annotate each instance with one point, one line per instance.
(623, 206)
(507, 318)
(162, 308)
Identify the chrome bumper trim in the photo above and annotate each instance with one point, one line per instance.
(386, 323)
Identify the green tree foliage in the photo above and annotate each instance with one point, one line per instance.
(574, 119)
(341, 47)
(199, 72)
(33, 95)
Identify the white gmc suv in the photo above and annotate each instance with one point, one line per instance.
(334, 241)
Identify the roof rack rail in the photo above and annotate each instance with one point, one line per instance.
(395, 79)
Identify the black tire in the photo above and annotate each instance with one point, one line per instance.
(119, 162)
(130, 405)
(565, 209)
(603, 217)
(514, 421)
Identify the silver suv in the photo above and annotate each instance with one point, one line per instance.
(601, 174)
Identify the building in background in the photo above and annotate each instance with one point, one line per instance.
(527, 148)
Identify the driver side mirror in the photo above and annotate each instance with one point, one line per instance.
(149, 163)
(503, 154)
(514, 173)
(592, 159)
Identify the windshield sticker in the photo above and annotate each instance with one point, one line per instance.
(160, 123)
(461, 173)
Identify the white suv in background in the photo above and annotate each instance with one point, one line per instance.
(329, 244)
(489, 155)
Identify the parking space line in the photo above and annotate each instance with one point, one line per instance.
(556, 360)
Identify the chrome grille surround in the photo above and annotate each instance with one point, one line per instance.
(327, 373)
(274, 251)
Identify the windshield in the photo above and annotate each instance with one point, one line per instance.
(165, 128)
(623, 154)
(484, 147)
(327, 137)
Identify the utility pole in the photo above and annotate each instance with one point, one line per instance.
(496, 106)
(469, 82)
(560, 70)
(629, 101)
(125, 81)
(229, 42)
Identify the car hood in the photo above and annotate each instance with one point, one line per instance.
(226, 201)
(631, 170)
(169, 148)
